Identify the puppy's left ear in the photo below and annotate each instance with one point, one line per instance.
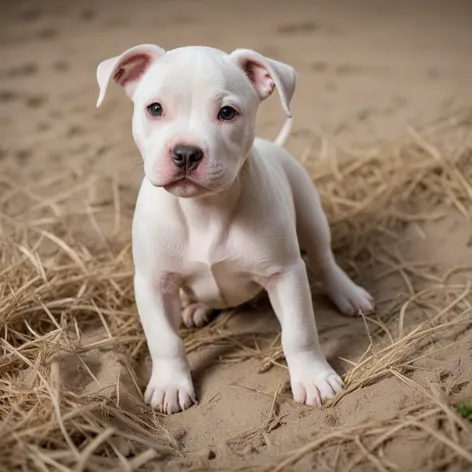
(266, 74)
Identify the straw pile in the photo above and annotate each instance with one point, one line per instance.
(66, 293)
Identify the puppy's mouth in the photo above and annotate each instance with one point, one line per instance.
(185, 187)
(182, 182)
(187, 184)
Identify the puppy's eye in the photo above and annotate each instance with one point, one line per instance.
(155, 109)
(227, 114)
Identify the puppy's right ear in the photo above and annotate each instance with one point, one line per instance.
(127, 69)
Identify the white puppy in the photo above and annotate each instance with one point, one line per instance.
(221, 215)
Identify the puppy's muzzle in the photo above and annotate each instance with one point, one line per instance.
(186, 158)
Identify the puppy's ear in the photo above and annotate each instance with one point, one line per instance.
(266, 74)
(127, 69)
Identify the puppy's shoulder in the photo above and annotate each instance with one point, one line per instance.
(277, 157)
(269, 150)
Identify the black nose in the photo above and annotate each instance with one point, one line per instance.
(187, 157)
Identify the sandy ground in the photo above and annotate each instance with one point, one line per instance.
(367, 71)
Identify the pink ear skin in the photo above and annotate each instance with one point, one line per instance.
(266, 74)
(132, 69)
(259, 77)
(127, 69)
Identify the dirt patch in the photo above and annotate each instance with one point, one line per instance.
(74, 361)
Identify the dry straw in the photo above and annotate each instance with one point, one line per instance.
(66, 294)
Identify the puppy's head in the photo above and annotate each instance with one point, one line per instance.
(195, 110)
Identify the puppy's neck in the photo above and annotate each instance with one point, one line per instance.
(222, 204)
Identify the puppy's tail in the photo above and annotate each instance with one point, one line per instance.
(284, 133)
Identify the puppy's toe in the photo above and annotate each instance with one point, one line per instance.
(350, 299)
(355, 301)
(196, 315)
(169, 397)
(154, 397)
(314, 386)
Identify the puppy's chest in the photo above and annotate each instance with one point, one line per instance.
(219, 268)
(214, 246)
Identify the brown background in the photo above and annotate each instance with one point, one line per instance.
(367, 70)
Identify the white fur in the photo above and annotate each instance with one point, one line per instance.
(233, 227)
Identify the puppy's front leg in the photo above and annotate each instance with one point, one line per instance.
(170, 389)
(311, 377)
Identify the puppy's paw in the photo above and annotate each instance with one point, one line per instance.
(170, 394)
(314, 385)
(196, 315)
(346, 295)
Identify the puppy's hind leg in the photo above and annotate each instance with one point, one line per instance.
(194, 314)
(315, 238)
